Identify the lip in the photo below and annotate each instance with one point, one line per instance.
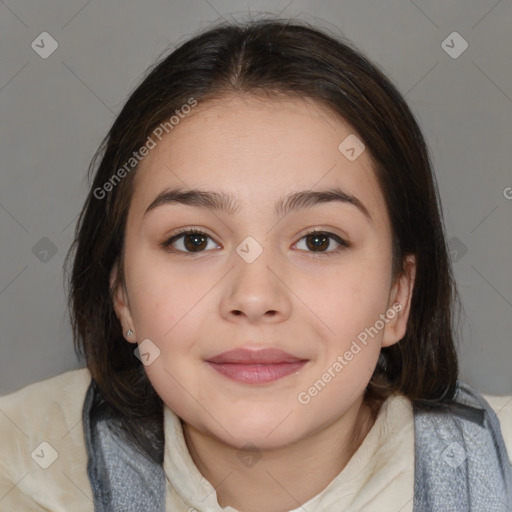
(255, 366)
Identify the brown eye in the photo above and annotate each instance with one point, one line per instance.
(320, 241)
(317, 242)
(190, 241)
(194, 242)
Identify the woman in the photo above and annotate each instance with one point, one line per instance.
(262, 293)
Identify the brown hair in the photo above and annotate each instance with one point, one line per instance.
(269, 58)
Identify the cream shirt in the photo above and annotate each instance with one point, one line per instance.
(43, 461)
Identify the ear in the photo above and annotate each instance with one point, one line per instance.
(399, 303)
(121, 307)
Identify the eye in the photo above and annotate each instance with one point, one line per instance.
(195, 240)
(319, 241)
(191, 240)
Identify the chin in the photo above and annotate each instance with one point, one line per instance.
(266, 432)
(257, 442)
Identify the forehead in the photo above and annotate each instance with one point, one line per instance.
(258, 150)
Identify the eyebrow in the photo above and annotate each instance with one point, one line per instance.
(228, 203)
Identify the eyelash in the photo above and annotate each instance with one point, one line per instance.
(166, 244)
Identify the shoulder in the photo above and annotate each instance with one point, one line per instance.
(43, 461)
(58, 386)
(502, 407)
(498, 406)
(494, 413)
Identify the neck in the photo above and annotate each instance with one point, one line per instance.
(275, 482)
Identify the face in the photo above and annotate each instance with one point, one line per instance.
(257, 277)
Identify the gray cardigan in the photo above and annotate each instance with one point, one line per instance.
(461, 463)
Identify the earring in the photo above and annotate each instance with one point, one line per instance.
(129, 332)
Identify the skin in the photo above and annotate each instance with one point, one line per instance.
(195, 305)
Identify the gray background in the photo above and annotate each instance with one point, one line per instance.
(55, 111)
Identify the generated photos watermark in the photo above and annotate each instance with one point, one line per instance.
(304, 397)
(151, 142)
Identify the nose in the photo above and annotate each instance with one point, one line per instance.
(256, 292)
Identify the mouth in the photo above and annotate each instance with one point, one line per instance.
(255, 366)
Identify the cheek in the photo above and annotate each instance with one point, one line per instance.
(161, 295)
(352, 297)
